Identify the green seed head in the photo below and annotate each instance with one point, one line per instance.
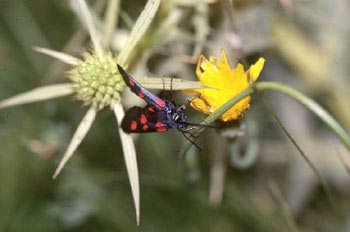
(97, 80)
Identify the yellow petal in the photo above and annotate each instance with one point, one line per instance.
(199, 104)
(255, 69)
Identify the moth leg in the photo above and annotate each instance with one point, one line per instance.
(184, 106)
(184, 133)
(171, 87)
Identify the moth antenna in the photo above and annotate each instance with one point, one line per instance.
(163, 94)
(171, 88)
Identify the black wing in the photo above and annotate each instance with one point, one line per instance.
(142, 120)
(140, 91)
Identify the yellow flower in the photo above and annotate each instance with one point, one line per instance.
(225, 83)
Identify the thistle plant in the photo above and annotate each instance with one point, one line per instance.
(96, 81)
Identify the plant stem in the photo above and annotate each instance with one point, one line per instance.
(294, 94)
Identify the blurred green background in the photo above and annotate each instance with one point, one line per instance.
(232, 185)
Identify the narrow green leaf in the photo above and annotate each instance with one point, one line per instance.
(323, 182)
(288, 217)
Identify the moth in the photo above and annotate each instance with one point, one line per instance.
(159, 115)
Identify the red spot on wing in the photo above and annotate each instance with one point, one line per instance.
(142, 94)
(143, 119)
(159, 124)
(133, 125)
(161, 129)
(150, 109)
(131, 82)
(145, 127)
(160, 102)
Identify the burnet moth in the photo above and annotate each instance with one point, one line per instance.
(159, 115)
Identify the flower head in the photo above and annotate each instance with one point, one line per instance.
(96, 79)
(225, 83)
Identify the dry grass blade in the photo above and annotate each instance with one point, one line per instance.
(111, 20)
(78, 136)
(139, 29)
(38, 94)
(65, 58)
(87, 18)
(130, 159)
(169, 83)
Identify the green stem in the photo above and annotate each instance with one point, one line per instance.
(311, 105)
(303, 99)
(214, 116)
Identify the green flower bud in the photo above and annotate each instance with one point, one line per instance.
(97, 80)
